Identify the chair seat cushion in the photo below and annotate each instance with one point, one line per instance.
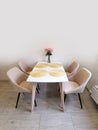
(26, 86)
(70, 87)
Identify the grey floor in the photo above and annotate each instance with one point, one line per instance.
(46, 116)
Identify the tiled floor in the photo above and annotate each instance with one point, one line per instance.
(46, 116)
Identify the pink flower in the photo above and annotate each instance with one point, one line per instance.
(48, 51)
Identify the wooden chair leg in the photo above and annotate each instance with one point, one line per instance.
(35, 103)
(64, 97)
(17, 100)
(38, 86)
(37, 90)
(80, 100)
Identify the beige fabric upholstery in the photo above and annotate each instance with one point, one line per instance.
(24, 67)
(79, 82)
(18, 79)
(72, 69)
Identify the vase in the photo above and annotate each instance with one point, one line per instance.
(49, 59)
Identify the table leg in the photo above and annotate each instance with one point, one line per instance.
(62, 97)
(33, 95)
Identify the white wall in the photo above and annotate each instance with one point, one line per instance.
(68, 26)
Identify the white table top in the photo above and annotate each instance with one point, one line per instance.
(48, 78)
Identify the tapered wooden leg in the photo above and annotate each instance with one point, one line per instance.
(62, 97)
(33, 95)
(65, 97)
(17, 100)
(37, 90)
(38, 86)
(35, 103)
(80, 100)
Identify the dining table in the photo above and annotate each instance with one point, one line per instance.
(44, 72)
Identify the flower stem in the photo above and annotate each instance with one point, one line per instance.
(49, 59)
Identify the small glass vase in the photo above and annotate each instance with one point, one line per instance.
(49, 59)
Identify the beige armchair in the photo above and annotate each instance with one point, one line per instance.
(72, 69)
(27, 69)
(18, 79)
(24, 67)
(78, 84)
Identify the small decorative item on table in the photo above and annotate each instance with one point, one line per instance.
(48, 53)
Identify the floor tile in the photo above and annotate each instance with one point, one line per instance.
(46, 116)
